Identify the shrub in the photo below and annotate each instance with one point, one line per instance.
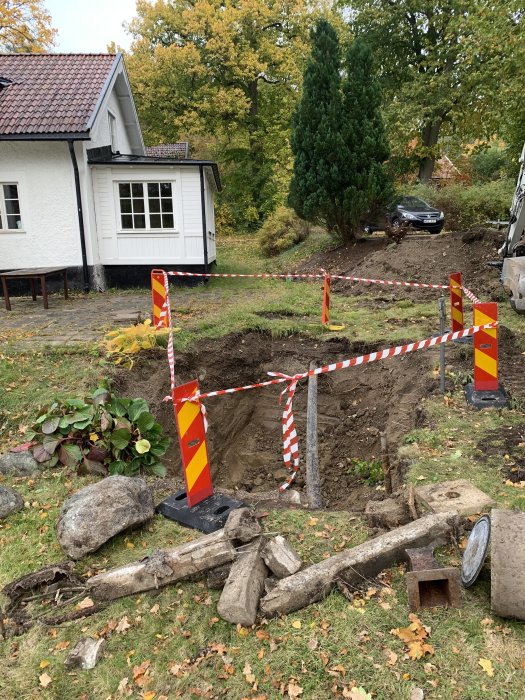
(100, 434)
(282, 230)
(466, 206)
(488, 164)
(123, 343)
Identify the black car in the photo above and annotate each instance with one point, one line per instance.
(412, 211)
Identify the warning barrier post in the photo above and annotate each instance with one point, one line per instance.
(158, 298)
(325, 317)
(486, 391)
(456, 301)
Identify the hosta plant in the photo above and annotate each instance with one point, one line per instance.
(99, 434)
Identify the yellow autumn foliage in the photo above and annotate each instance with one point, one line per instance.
(122, 343)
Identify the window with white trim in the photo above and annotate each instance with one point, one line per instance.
(10, 219)
(146, 206)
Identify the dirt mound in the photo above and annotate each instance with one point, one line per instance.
(245, 428)
(419, 258)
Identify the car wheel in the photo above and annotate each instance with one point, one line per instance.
(396, 223)
(436, 232)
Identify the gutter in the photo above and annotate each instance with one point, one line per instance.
(203, 213)
(85, 272)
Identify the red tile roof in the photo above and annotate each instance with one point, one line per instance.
(50, 93)
(179, 149)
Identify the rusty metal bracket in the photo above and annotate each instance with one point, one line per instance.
(428, 584)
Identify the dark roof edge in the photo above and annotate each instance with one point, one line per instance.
(105, 88)
(48, 136)
(153, 161)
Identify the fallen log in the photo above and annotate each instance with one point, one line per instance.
(163, 567)
(242, 591)
(365, 560)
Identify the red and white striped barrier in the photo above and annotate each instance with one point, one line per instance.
(473, 298)
(264, 275)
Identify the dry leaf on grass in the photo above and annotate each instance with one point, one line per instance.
(414, 638)
(123, 625)
(296, 624)
(486, 665)
(247, 672)
(86, 603)
(45, 679)
(391, 657)
(294, 690)
(44, 663)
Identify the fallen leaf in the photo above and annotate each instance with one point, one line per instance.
(85, 603)
(62, 645)
(391, 657)
(486, 665)
(155, 609)
(45, 680)
(44, 663)
(247, 672)
(313, 644)
(149, 695)
(324, 658)
(417, 694)
(123, 625)
(356, 694)
(296, 624)
(294, 690)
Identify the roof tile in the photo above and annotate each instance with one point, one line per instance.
(50, 93)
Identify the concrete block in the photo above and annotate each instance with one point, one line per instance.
(242, 525)
(85, 654)
(507, 545)
(460, 495)
(280, 557)
(387, 514)
(217, 577)
(244, 587)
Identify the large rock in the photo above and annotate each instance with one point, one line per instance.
(18, 464)
(97, 512)
(10, 501)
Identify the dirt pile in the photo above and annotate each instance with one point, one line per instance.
(245, 428)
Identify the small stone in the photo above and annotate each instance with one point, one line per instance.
(242, 525)
(97, 512)
(85, 654)
(10, 501)
(294, 497)
(280, 557)
(18, 464)
(388, 513)
(281, 475)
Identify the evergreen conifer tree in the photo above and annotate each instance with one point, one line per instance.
(316, 138)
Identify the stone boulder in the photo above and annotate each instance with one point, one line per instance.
(18, 464)
(10, 501)
(387, 514)
(97, 512)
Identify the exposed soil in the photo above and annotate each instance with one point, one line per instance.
(245, 428)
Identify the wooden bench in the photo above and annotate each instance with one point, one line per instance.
(32, 274)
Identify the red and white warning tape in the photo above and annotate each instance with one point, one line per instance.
(175, 273)
(473, 298)
(290, 442)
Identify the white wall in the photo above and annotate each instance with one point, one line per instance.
(50, 235)
(182, 246)
(209, 194)
(100, 135)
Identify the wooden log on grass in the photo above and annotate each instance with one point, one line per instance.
(364, 561)
(163, 567)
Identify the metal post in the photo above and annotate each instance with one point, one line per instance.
(313, 482)
(442, 320)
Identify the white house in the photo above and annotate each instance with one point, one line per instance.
(78, 188)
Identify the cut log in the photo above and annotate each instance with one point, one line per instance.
(163, 567)
(242, 592)
(365, 560)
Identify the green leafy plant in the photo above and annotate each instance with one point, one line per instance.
(99, 434)
(371, 472)
(123, 343)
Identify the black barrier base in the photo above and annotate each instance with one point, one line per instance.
(207, 516)
(487, 399)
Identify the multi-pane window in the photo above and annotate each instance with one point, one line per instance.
(9, 208)
(146, 205)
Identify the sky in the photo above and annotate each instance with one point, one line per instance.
(88, 26)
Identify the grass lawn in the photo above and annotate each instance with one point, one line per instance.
(172, 643)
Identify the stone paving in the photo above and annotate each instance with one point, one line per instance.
(81, 319)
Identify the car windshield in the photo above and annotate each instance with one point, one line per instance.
(413, 204)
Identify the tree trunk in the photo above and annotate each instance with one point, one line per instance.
(429, 138)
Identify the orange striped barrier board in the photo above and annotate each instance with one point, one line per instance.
(325, 318)
(486, 348)
(158, 298)
(192, 440)
(456, 301)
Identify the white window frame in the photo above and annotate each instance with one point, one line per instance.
(3, 210)
(148, 230)
(113, 136)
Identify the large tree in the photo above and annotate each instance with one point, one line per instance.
(25, 26)
(447, 67)
(338, 137)
(226, 72)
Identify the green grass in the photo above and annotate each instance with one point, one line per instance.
(337, 643)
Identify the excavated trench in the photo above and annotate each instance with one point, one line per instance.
(244, 438)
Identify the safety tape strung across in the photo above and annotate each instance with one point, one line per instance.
(473, 298)
(264, 275)
(290, 442)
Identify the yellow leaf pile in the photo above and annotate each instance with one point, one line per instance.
(124, 342)
(414, 637)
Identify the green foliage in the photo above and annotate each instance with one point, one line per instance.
(466, 206)
(123, 343)
(369, 471)
(281, 231)
(445, 69)
(338, 138)
(99, 434)
(488, 164)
